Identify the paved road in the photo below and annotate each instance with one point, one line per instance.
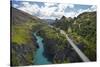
(79, 52)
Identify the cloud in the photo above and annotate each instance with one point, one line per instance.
(93, 8)
(47, 11)
(54, 9)
(62, 7)
(25, 4)
(29, 8)
(50, 4)
(15, 5)
(71, 6)
(51, 10)
(71, 14)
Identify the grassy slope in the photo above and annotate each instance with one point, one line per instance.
(56, 46)
(86, 33)
(82, 31)
(23, 42)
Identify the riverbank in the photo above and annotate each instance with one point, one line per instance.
(23, 43)
(39, 58)
(56, 47)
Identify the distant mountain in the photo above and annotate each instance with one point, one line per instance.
(63, 23)
(49, 21)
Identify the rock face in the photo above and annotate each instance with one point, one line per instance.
(63, 23)
(22, 54)
(56, 47)
(23, 43)
(83, 33)
(58, 55)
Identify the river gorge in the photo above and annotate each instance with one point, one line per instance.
(39, 58)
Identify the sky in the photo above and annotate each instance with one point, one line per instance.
(47, 10)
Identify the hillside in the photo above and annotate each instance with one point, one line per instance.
(82, 29)
(63, 23)
(23, 43)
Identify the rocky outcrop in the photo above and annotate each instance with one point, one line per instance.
(57, 55)
(58, 50)
(23, 54)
